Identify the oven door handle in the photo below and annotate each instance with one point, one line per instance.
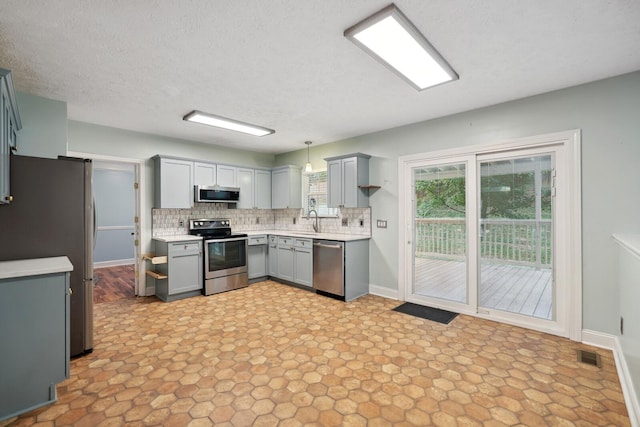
(235, 239)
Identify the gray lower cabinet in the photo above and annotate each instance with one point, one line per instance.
(291, 259)
(272, 256)
(285, 258)
(257, 257)
(181, 276)
(303, 262)
(34, 332)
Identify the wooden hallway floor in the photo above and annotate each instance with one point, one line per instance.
(113, 283)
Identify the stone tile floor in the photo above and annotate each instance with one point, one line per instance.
(274, 355)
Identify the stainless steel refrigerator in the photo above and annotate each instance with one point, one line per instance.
(52, 214)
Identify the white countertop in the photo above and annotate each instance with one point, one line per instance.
(178, 238)
(631, 242)
(320, 236)
(34, 267)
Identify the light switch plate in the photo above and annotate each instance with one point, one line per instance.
(382, 223)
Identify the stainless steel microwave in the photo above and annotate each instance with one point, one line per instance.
(216, 194)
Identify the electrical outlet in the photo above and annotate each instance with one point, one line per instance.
(345, 222)
(382, 223)
(181, 223)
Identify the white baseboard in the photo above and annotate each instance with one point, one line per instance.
(630, 396)
(599, 339)
(383, 292)
(113, 263)
(612, 342)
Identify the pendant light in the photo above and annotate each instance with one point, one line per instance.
(307, 167)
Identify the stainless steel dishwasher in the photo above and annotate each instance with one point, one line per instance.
(328, 266)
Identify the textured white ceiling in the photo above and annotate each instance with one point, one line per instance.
(285, 65)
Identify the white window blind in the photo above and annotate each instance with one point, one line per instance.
(314, 193)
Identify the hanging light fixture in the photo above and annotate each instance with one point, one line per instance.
(307, 167)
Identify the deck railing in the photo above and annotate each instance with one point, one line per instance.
(524, 242)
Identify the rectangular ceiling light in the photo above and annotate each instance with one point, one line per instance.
(393, 40)
(221, 122)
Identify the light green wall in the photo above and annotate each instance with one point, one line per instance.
(44, 126)
(629, 279)
(107, 141)
(606, 111)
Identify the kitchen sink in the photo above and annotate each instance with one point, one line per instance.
(304, 233)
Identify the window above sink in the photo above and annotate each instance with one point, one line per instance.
(314, 194)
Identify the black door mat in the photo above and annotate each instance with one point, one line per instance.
(429, 313)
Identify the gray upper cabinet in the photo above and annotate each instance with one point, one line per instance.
(227, 176)
(10, 124)
(173, 183)
(262, 192)
(255, 188)
(204, 173)
(246, 183)
(345, 175)
(286, 185)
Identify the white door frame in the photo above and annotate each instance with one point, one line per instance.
(140, 282)
(568, 184)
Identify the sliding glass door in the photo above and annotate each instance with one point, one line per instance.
(440, 268)
(482, 237)
(516, 234)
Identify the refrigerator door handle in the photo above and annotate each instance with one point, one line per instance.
(95, 227)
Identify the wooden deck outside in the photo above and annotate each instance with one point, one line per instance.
(517, 289)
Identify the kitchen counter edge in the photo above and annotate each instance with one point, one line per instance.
(317, 236)
(34, 267)
(179, 238)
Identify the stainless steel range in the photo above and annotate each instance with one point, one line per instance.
(225, 255)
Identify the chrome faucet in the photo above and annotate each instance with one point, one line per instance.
(315, 225)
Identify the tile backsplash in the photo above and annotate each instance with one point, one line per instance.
(171, 222)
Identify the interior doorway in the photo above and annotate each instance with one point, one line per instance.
(493, 232)
(114, 251)
(133, 263)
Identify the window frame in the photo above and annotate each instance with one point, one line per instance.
(323, 211)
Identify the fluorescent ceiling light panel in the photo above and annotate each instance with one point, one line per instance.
(221, 122)
(393, 40)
